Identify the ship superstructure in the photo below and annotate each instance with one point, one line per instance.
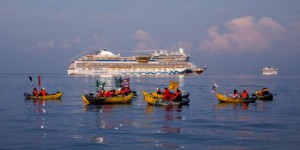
(270, 71)
(159, 62)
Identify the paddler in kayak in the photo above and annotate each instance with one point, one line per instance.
(167, 94)
(177, 95)
(245, 94)
(235, 94)
(43, 92)
(35, 92)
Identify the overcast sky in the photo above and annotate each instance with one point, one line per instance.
(231, 36)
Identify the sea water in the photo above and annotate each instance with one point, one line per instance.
(204, 124)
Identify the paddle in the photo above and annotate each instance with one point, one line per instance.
(30, 78)
(39, 81)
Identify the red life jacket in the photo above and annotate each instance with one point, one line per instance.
(35, 93)
(43, 92)
(167, 95)
(245, 95)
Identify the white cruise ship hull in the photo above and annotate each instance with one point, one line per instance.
(133, 72)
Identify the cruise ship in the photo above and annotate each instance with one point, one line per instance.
(270, 71)
(158, 62)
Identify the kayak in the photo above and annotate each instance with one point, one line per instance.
(151, 100)
(154, 94)
(91, 99)
(224, 98)
(267, 97)
(57, 95)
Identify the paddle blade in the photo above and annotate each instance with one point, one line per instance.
(30, 78)
(39, 80)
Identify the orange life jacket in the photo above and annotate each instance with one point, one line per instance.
(35, 93)
(245, 95)
(43, 92)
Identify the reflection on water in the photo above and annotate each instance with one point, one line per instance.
(233, 106)
(37, 111)
(149, 109)
(169, 116)
(105, 115)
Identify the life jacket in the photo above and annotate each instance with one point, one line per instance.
(107, 94)
(245, 95)
(43, 92)
(167, 95)
(178, 96)
(35, 93)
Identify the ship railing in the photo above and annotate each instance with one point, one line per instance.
(78, 56)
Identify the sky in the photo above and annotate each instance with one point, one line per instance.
(231, 37)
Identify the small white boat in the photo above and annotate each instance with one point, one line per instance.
(270, 71)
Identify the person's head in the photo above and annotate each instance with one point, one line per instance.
(244, 91)
(43, 88)
(34, 88)
(234, 91)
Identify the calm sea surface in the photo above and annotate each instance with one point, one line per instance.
(204, 124)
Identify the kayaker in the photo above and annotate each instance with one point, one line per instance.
(235, 94)
(178, 95)
(126, 90)
(119, 91)
(265, 91)
(101, 93)
(43, 92)
(35, 92)
(167, 94)
(108, 94)
(113, 92)
(245, 94)
(158, 91)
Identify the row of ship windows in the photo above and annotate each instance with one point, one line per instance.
(130, 66)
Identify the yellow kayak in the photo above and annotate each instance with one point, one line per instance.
(152, 100)
(149, 98)
(91, 99)
(57, 95)
(224, 98)
(157, 95)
